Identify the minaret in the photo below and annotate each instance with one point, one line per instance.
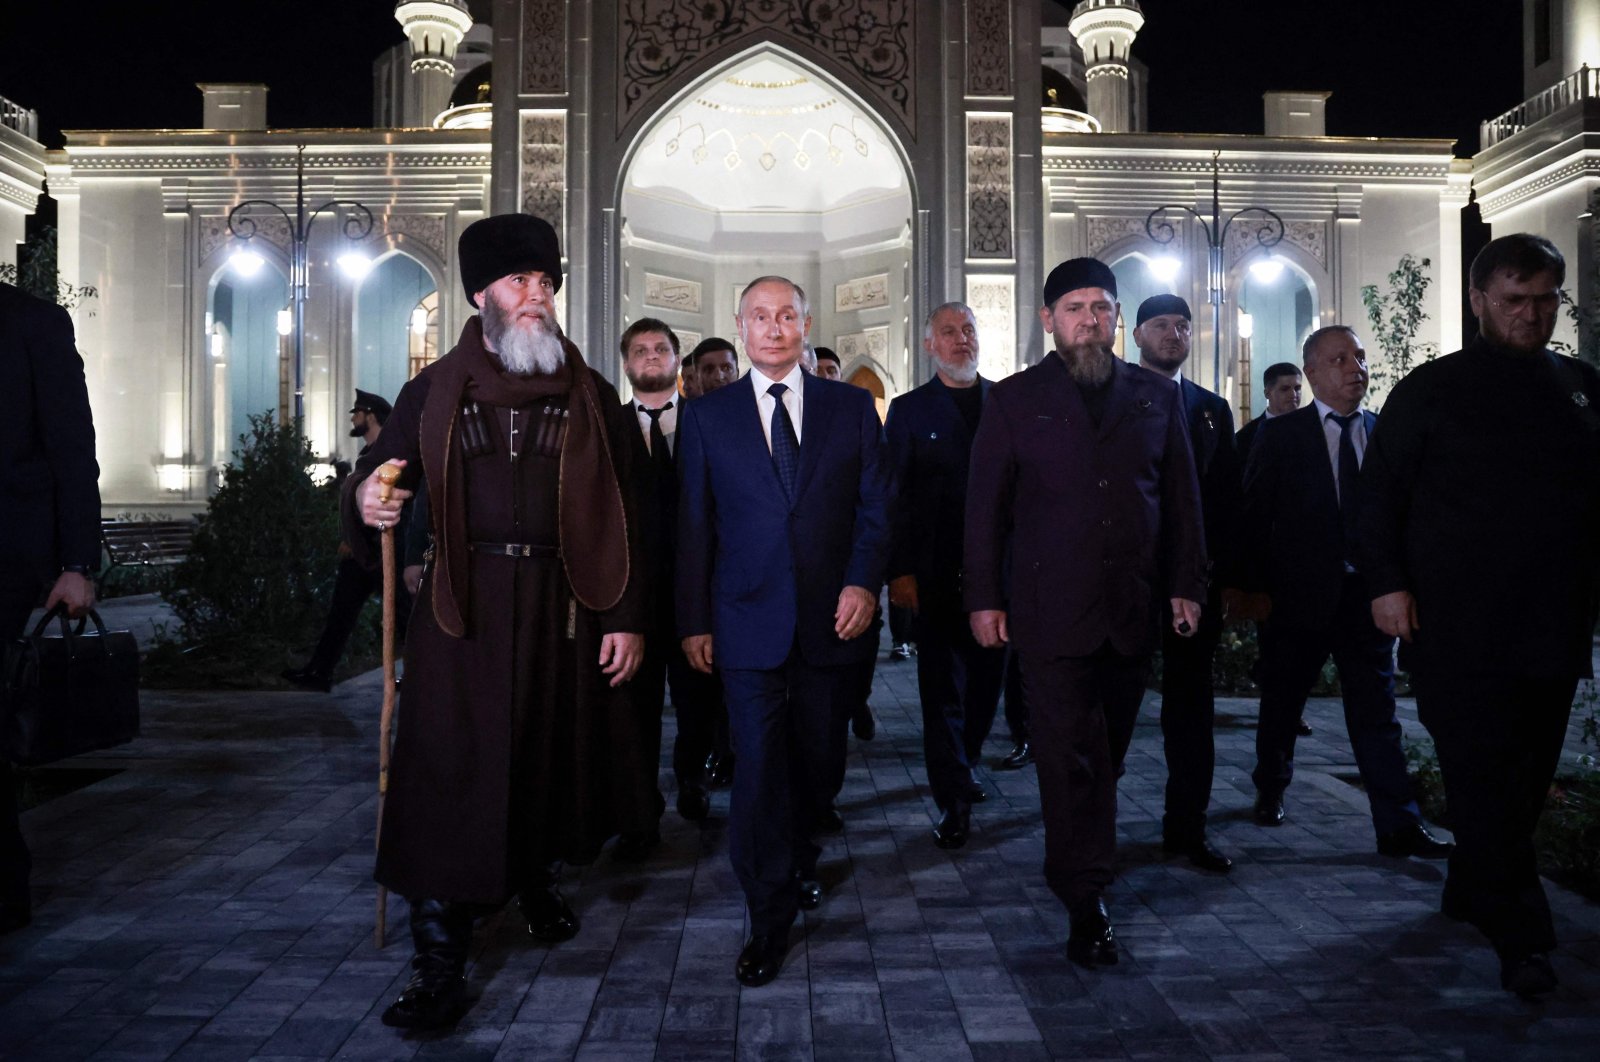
(1105, 30)
(435, 29)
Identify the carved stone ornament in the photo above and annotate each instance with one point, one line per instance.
(875, 39)
(426, 229)
(671, 293)
(1105, 232)
(989, 47)
(988, 188)
(869, 343)
(271, 227)
(544, 47)
(544, 169)
(865, 293)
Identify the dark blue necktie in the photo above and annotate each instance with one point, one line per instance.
(785, 446)
(1349, 473)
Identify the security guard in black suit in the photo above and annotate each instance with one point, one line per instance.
(930, 432)
(50, 533)
(1188, 705)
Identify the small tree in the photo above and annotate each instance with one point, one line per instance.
(38, 275)
(1396, 317)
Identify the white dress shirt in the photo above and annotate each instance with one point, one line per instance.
(669, 424)
(793, 400)
(1331, 432)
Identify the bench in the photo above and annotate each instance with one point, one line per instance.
(144, 543)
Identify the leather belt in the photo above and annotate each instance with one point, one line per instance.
(515, 549)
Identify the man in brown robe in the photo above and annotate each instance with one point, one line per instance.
(515, 748)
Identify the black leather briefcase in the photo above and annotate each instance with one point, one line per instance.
(68, 693)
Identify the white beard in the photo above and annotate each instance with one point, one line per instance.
(522, 351)
(962, 372)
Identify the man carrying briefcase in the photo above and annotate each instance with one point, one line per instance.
(49, 491)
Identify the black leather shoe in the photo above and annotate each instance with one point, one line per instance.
(435, 997)
(1021, 756)
(550, 918)
(14, 916)
(1092, 942)
(903, 651)
(1528, 975)
(976, 793)
(636, 847)
(430, 1000)
(951, 833)
(1414, 840)
(810, 893)
(307, 679)
(694, 803)
(719, 771)
(761, 958)
(830, 821)
(1303, 728)
(1269, 809)
(865, 727)
(1200, 852)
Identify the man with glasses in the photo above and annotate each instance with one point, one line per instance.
(1481, 543)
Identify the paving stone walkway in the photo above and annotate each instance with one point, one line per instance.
(212, 900)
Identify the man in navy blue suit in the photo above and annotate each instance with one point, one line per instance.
(1082, 467)
(930, 433)
(1302, 501)
(1188, 704)
(783, 536)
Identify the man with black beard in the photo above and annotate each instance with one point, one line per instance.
(1082, 463)
(930, 431)
(1480, 537)
(517, 747)
(1188, 705)
(354, 582)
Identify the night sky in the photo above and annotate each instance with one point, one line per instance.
(1395, 67)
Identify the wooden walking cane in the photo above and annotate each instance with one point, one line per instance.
(387, 475)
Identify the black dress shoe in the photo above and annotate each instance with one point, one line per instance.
(550, 918)
(435, 997)
(694, 803)
(1528, 976)
(951, 833)
(1200, 852)
(14, 916)
(830, 821)
(1414, 840)
(1269, 809)
(636, 847)
(1092, 942)
(719, 771)
(976, 793)
(307, 679)
(865, 727)
(1303, 728)
(761, 958)
(430, 1000)
(1021, 756)
(903, 651)
(810, 893)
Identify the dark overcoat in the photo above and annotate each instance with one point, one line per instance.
(1105, 522)
(1216, 461)
(509, 743)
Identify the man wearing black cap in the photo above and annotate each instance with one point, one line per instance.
(1188, 706)
(354, 582)
(1082, 464)
(517, 746)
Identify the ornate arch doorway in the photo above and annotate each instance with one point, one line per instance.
(768, 166)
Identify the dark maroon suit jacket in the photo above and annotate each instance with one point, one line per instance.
(1104, 524)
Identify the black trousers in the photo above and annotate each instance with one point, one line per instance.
(902, 625)
(784, 722)
(696, 702)
(1016, 703)
(1188, 718)
(1081, 715)
(15, 862)
(352, 585)
(1291, 660)
(958, 682)
(1499, 740)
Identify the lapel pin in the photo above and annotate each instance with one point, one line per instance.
(1580, 398)
(1144, 403)
(933, 435)
(1210, 425)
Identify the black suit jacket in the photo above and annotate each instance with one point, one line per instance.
(1291, 533)
(1246, 439)
(49, 480)
(1216, 462)
(656, 488)
(929, 452)
(1104, 522)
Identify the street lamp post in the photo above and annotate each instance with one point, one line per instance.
(243, 226)
(1269, 231)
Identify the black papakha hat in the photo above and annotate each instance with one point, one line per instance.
(368, 402)
(498, 246)
(1076, 273)
(1160, 306)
